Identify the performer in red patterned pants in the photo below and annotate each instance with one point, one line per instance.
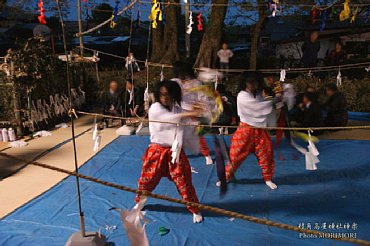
(248, 140)
(253, 111)
(164, 156)
(157, 164)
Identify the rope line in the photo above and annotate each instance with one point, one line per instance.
(216, 210)
(107, 21)
(334, 128)
(263, 70)
(320, 8)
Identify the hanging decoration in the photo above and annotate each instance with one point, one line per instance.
(161, 76)
(313, 15)
(273, 7)
(344, 14)
(354, 15)
(200, 22)
(113, 22)
(156, 13)
(339, 78)
(324, 18)
(189, 28)
(282, 75)
(41, 17)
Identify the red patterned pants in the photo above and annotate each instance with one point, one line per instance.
(246, 140)
(157, 164)
(203, 146)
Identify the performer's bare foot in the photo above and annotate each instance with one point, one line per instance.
(218, 183)
(209, 160)
(197, 218)
(272, 185)
(141, 203)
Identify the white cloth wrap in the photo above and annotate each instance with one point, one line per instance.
(253, 110)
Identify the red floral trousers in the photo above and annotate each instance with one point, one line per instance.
(248, 140)
(157, 164)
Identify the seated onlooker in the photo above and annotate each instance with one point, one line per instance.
(336, 56)
(336, 107)
(133, 99)
(296, 113)
(112, 104)
(312, 115)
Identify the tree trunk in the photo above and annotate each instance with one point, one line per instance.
(255, 35)
(212, 37)
(170, 40)
(157, 43)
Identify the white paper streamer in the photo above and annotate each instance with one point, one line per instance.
(189, 28)
(134, 224)
(95, 131)
(310, 154)
(175, 151)
(97, 143)
(339, 78)
(282, 75)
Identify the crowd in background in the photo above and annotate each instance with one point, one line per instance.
(307, 110)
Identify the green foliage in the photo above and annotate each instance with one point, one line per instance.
(356, 91)
(104, 12)
(37, 68)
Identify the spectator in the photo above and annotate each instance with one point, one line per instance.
(112, 103)
(310, 49)
(296, 114)
(133, 99)
(228, 116)
(312, 115)
(337, 56)
(224, 55)
(336, 107)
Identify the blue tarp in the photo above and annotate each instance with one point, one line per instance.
(360, 116)
(338, 192)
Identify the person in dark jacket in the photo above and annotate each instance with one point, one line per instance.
(296, 114)
(336, 107)
(336, 56)
(112, 104)
(310, 49)
(133, 100)
(228, 116)
(312, 114)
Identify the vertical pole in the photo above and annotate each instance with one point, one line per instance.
(187, 36)
(16, 107)
(79, 16)
(68, 74)
(82, 65)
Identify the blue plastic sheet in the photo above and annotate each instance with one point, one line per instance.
(338, 192)
(360, 116)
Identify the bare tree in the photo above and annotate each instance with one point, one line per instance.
(212, 37)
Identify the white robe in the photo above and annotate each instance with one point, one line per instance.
(191, 139)
(254, 111)
(164, 133)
